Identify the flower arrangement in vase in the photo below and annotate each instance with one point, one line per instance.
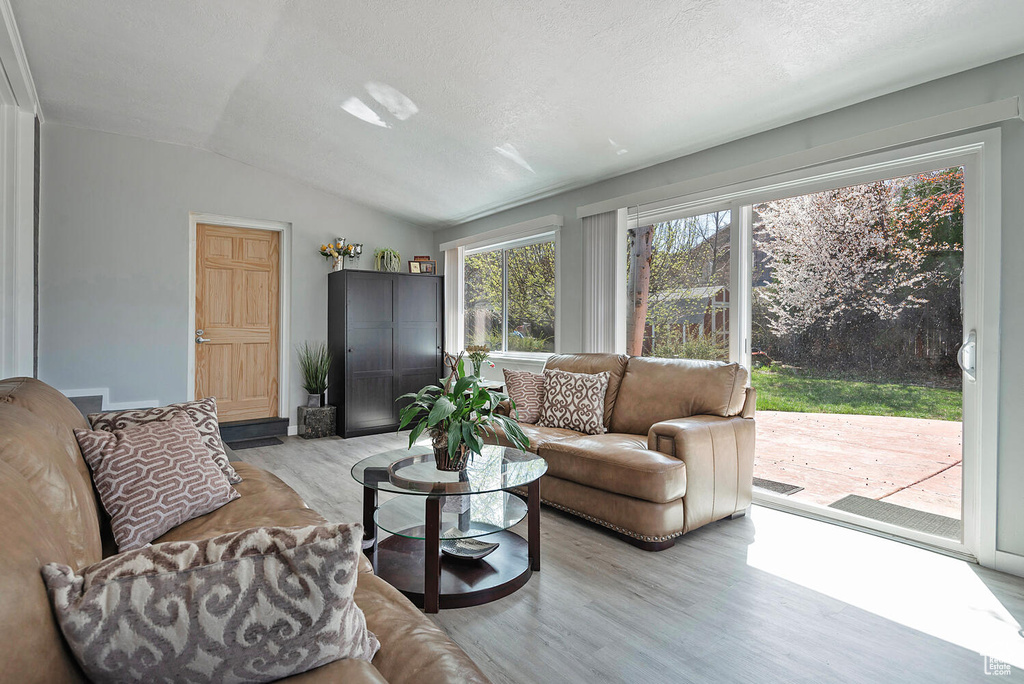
(478, 355)
(339, 251)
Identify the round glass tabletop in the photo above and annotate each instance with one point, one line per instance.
(413, 471)
(462, 515)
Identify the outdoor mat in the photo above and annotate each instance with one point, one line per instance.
(929, 523)
(777, 487)
(251, 443)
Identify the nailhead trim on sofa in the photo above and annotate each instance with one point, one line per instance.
(605, 523)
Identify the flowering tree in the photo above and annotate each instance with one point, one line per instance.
(839, 255)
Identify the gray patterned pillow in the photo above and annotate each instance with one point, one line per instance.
(574, 401)
(203, 413)
(249, 606)
(153, 477)
(526, 389)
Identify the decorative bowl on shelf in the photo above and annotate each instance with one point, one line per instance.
(466, 549)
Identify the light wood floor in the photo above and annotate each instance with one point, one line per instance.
(771, 597)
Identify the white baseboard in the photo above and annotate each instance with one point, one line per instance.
(293, 430)
(1009, 563)
(108, 405)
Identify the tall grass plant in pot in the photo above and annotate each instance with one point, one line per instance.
(315, 363)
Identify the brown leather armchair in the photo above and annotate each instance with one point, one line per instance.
(678, 452)
(49, 513)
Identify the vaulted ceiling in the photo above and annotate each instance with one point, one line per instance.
(441, 110)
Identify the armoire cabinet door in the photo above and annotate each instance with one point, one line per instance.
(418, 329)
(370, 352)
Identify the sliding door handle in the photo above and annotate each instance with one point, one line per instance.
(966, 356)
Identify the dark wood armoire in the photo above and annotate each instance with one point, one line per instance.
(386, 334)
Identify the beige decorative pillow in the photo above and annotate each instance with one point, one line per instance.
(526, 389)
(203, 413)
(574, 401)
(249, 606)
(153, 477)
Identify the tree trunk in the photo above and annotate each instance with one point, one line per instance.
(639, 289)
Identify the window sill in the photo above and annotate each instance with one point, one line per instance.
(534, 357)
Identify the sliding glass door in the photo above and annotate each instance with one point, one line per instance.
(853, 293)
(856, 324)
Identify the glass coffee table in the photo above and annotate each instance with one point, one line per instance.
(444, 510)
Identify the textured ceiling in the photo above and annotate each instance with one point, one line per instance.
(443, 110)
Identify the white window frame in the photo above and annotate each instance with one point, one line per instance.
(636, 217)
(19, 107)
(543, 229)
(979, 154)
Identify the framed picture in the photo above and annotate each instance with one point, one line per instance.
(428, 267)
(414, 267)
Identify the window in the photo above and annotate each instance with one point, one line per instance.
(677, 287)
(509, 301)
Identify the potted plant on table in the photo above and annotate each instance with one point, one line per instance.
(315, 362)
(456, 417)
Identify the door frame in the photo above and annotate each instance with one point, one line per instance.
(284, 292)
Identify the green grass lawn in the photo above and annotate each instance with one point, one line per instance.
(784, 389)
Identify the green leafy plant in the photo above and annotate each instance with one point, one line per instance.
(459, 413)
(387, 259)
(315, 362)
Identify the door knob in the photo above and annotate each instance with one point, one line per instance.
(200, 339)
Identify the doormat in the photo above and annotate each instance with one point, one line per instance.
(252, 443)
(929, 523)
(777, 487)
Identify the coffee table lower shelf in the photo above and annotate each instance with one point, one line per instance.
(400, 562)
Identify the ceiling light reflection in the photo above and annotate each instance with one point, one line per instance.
(509, 151)
(400, 106)
(361, 110)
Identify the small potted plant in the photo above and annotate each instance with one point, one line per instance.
(478, 355)
(315, 362)
(387, 260)
(456, 417)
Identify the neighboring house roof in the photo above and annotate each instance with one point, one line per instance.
(694, 294)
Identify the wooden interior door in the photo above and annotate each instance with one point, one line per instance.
(237, 310)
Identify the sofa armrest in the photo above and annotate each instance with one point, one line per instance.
(749, 404)
(719, 457)
(347, 671)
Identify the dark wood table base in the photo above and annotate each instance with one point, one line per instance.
(400, 562)
(408, 564)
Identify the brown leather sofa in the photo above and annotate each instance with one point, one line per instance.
(678, 452)
(49, 512)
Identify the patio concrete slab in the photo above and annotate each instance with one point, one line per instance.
(912, 462)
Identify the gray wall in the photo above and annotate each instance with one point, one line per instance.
(995, 81)
(114, 260)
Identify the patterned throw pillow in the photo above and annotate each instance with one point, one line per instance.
(574, 401)
(249, 606)
(526, 389)
(203, 413)
(153, 477)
